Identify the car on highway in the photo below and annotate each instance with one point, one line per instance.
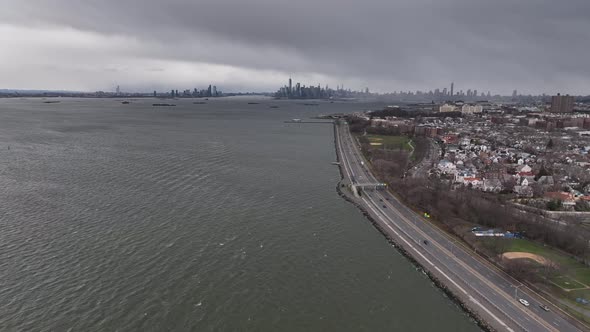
(385, 207)
(524, 302)
(544, 307)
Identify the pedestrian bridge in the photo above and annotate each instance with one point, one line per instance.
(371, 186)
(359, 187)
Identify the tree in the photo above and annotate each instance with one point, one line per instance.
(496, 245)
(529, 149)
(509, 185)
(582, 206)
(538, 190)
(550, 144)
(554, 205)
(364, 140)
(542, 172)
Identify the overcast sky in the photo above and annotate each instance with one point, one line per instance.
(255, 45)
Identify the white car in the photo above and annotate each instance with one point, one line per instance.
(524, 302)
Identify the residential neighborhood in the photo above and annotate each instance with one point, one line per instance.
(527, 152)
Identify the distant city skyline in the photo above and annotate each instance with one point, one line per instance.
(438, 91)
(302, 91)
(246, 45)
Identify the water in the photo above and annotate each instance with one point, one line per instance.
(216, 217)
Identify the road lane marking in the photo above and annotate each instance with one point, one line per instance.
(443, 273)
(349, 164)
(460, 262)
(478, 292)
(466, 267)
(470, 269)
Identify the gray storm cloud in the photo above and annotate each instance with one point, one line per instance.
(531, 45)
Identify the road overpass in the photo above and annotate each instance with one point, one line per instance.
(484, 289)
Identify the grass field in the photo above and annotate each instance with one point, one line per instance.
(572, 268)
(581, 273)
(390, 142)
(566, 282)
(547, 252)
(571, 283)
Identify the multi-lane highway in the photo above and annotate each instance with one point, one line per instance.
(493, 295)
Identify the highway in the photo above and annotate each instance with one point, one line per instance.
(492, 294)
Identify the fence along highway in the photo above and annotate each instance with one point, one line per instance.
(490, 293)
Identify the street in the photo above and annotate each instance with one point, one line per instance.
(482, 287)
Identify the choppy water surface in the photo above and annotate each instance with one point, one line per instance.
(215, 217)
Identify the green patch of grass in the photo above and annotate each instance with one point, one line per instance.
(567, 285)
(547, 252)
(526, 246)
(566, 282)
(573, 268)
(582, 274)
(390, 142)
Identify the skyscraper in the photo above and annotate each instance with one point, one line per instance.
(118, 90)
(452, 87)
(290, 86)
(562, 104)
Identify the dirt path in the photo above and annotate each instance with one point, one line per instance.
(517, 254)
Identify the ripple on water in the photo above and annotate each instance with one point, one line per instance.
(217, 219)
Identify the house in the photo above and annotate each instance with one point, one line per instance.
(525, 169)
(523, 189)
(452, 148)
(546, 181)
(450, 139)
(566, 198)
(446, 167)
(472, 181)
(492, 185)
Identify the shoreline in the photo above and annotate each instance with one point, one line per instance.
(482, 323)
